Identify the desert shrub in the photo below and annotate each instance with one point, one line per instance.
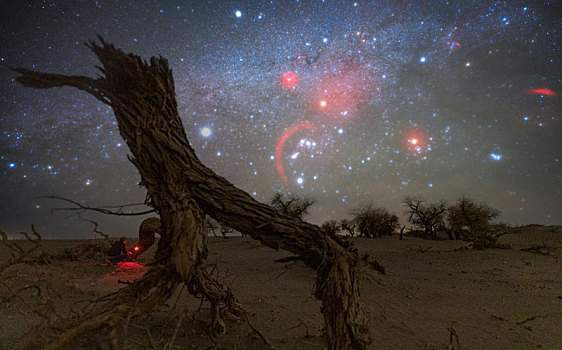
(45, 258)
(348, 226)
(93, 249)
(291, 205)
(488, 240)
(226, 231)
(331, 227)
(428, 218)
(218, 229)
(372, 221)
(542, 249)
(470, 220)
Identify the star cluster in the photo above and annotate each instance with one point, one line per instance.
(340, 101)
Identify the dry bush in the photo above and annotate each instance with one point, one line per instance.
(470, 220)
(348, 226)
(291, 205)
(542, 249)
(428, 218)
(372, 221)
(93, 249)
(331, 227)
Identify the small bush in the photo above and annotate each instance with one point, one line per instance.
(372, 221)
(45, 258)
(331, 227)
(348, 226)
(541, 249)
(470, 220)
(291, 205)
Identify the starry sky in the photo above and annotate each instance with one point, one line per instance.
(345, 102)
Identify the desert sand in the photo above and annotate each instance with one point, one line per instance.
(491, 299)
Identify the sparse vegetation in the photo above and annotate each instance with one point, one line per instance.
(468, 220)
(542, 249)
(291, 205)
(465, 220)
(429, 218)
(348, 226)
(372, 221)
(331, 227)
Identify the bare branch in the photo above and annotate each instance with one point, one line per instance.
(96, 225)
(20, 254)
(82, 208)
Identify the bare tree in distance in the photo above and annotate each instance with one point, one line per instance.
(291, 205)
(468, 219)
(348, 226)
(182, 191)
(373, 221)
(428, 217)
(331, 227)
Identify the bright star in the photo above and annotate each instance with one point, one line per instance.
(238, 13)
(206, 131)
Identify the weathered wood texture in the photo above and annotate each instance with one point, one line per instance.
(182, 189)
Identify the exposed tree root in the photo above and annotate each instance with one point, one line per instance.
(147, 294)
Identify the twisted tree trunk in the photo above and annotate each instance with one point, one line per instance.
(183, 190)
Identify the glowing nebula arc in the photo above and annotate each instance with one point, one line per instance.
(543, 91)
(281, 143)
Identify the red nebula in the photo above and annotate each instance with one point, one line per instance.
(453, 45)
(341, 89)
(542, 91)
(415, 142)
(281, 143)
(289, 80)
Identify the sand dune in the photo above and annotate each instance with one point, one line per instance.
(494, 299)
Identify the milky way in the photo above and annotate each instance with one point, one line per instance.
(344, 102)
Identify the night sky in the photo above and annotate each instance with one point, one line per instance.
(343, 102)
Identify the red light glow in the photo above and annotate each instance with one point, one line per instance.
(416, 142)
(453, 45)
(543, 91)
(136, 248)
(340, 91)
(130, 265)
(281, 143)
(290, 80)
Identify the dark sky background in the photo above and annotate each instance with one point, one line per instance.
(349, 102)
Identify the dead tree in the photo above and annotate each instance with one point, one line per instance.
(291, 205)
(182, 190)
(428, 217)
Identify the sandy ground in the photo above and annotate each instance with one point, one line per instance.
(494, 299)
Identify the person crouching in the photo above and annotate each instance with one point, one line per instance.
(117, 252)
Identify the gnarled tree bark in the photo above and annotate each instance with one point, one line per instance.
(183, 190)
